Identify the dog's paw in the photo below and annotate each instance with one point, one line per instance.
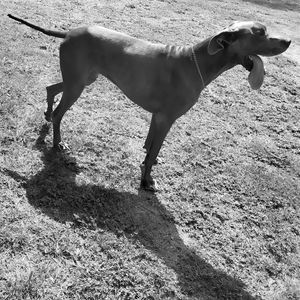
(150, 186)
(62, 147)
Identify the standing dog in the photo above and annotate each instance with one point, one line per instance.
(164, 80)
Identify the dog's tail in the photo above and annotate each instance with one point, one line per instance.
(57, 34)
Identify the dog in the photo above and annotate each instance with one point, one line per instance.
(164, 80)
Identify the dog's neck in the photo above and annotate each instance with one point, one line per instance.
(211, 66)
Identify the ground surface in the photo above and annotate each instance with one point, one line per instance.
(225, 223)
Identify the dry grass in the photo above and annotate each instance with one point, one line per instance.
(225, 224)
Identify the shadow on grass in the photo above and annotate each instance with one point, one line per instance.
(54, 191)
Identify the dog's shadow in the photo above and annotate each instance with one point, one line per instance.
(55, 192)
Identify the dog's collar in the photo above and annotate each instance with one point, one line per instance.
(197, 66)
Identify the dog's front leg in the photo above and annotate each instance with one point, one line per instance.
(149, 140)
(160, 126)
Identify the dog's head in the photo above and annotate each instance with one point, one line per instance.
(246, 41)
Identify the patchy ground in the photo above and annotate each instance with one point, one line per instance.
(225, 224)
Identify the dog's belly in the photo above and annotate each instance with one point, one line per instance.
(159, 95)
(141, 93)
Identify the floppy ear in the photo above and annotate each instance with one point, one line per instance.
(217, 42)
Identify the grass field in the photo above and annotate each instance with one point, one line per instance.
(225, 223)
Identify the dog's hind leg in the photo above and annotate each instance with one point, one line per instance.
(70, 94)
(52, 91)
